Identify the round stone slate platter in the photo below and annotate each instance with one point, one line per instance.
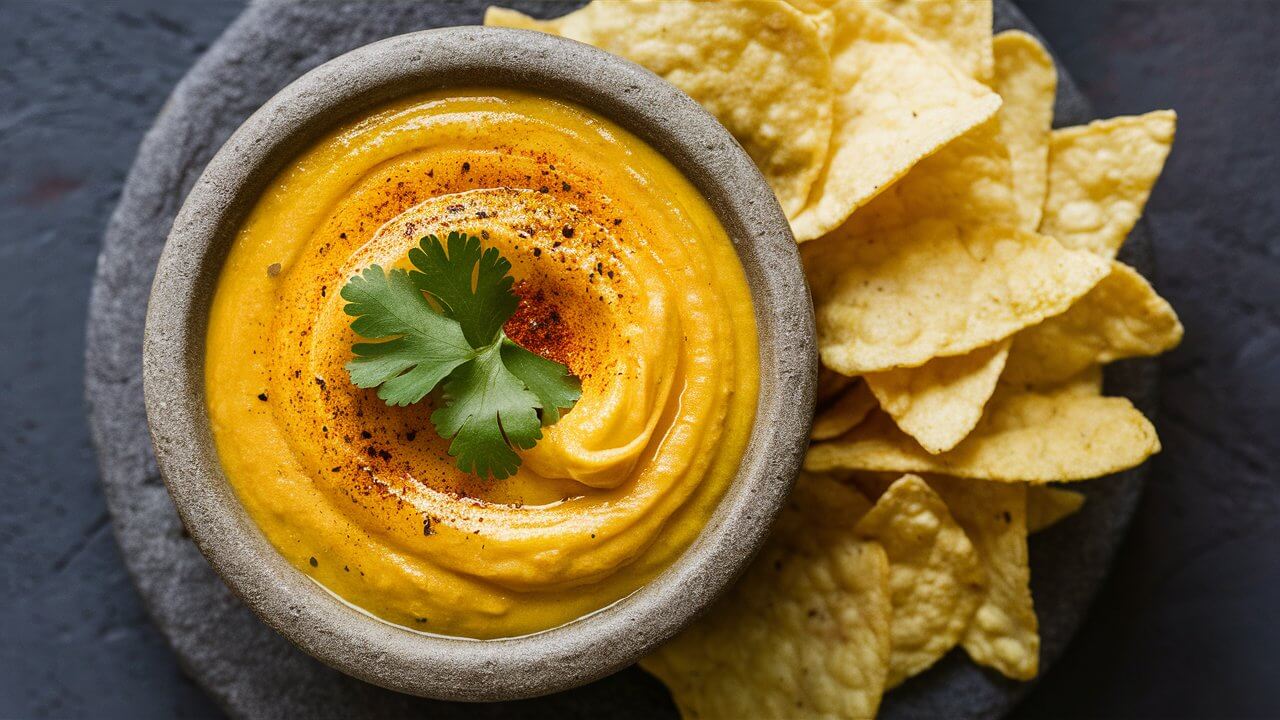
(248, 669)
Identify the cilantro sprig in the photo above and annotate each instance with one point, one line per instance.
(496, 396)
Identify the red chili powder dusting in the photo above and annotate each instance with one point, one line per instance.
(537, 326)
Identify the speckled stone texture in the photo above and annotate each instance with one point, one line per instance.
(1183, 629)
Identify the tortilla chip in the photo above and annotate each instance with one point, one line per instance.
(1121, 317)
(1004, 634)
(935, 580)
(1047, 506)
(941, 401)
(935, 288)
(1036, 437)
(1027, 81)
(898, 99)
(805, 632)
(844, 413)
(961, 28)
(1100, 176)
(782, 115)
(969, 181)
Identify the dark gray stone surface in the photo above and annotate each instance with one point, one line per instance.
(1183, 629)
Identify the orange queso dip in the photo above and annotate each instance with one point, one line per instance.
(625, 276)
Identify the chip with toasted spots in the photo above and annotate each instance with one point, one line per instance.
(935, 579)
(1023, 436)
(1100, 175)
(782, 117)
(1027, 82)
(941, 401)
(843, 412)
(1048, 505)
(1004, 633)
(1121, 317)
(935, 288)
(804, 632)
(898, 99)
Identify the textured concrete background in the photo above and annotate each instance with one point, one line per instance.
(1185, 626)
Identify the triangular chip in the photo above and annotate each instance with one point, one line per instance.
(1047, 506)
(962, 28)
(1121, 317)
(1100, 176)
(760, 67)
(898, 99)
(1027, 82)
(1004, 634)
(935, 579)
(941, 401)
(804, 633)
(1036, 437)
(844, 412)
(969, 182)
(934, 288)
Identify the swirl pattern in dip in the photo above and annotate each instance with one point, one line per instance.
(625, 275)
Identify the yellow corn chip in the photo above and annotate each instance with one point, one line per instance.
(941, 401)
(1027, 81)
(804, 633)
(935, 579)
(760, 67)
(1100, 176)
(962, 28)
(1004, 634)
(1121, 317)
(898, 99)
(844, 413)
(1036, 437)
(1047, 505)
(934, 288)
(969, 182)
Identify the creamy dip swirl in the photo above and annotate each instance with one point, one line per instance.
(625, 276)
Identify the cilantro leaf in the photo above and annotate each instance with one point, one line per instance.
(491, 388)
(427, 348)
(448, 278)
(552, 382)
(488, 411)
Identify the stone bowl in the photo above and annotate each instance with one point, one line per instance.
(304, 612)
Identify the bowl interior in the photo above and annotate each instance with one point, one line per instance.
(400, 658)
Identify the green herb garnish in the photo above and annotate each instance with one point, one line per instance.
(493, 390)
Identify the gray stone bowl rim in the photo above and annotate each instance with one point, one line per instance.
(298, 608)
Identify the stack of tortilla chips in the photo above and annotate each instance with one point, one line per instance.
(962, 258)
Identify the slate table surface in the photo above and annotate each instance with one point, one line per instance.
(1186, 627)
